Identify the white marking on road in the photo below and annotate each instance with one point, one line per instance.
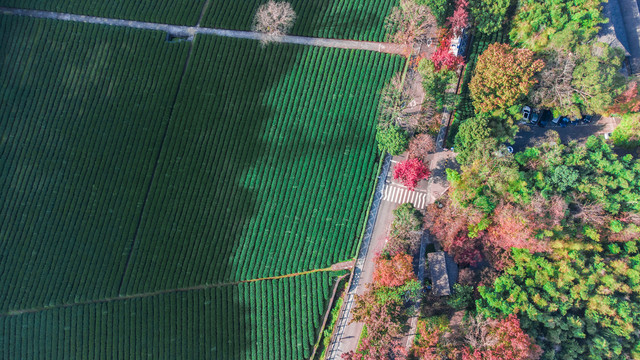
(401, 195)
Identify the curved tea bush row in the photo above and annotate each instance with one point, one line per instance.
(179, 12)
(262, 320)
(344, 19)
(267, 167)
(82, 112)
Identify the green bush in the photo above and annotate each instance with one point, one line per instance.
(462, 297)
(392, 140)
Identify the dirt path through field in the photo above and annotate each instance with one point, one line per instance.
(333, 267)
(190, 31)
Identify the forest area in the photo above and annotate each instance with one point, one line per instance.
(546, 239)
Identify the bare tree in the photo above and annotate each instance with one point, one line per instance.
(554, 88)
(477, 332)
(274, 20)
(393, 100)
(421, 145)
(592, 212)
(395, 105)
(410, 23)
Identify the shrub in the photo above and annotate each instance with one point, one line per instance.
(392, 140)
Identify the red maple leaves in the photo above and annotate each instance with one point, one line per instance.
(409, 172)
(394, 271)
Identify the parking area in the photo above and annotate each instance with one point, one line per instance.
(529, 134)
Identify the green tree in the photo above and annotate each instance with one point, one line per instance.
(590, 173)
(486, 178)
(471, 132)
(627, 134)
(564, 177)
(489, 15)
(436, 83)
(596, 78)
(583, 305)
(441, 9)
(392, 140)
(461, 297)
(562, 24)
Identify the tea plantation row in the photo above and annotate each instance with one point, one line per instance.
(261, 320)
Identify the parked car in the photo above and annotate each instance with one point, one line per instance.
(556, 121)
(564, 122)
(587, 119)
(526, 113)
(535, 117)
(545, 115)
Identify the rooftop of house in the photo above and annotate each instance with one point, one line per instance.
(439, 276)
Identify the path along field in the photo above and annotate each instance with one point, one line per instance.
(339, 19)
(124, 172)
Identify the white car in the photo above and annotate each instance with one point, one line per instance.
(526, 113)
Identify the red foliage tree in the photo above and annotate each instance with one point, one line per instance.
(511, 228)
(465, 251)
(394, 271)
(628, 101)
(426, 346)
(448, 221)
(443, 57)
(460, 18)
(383, 330)
(513, 342)
(411, 171)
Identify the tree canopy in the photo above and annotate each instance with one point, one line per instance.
(441, 9)
(471, 132)
(584, 305)
(584, 81)
(503, 76)
(489, 15)
(539, 24)
(391, 139)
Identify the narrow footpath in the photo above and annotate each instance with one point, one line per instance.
(338, 266)
(189, 32)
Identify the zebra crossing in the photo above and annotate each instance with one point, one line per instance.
(400, 195)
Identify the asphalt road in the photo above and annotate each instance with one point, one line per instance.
(599, 126)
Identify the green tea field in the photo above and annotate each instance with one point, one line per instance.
(180, 12)
(274, 319)
(344, 19)
(152, 191)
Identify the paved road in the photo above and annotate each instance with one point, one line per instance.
(190, 31)
(347, 334)
(599, 126)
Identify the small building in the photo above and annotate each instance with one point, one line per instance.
(439, 276)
